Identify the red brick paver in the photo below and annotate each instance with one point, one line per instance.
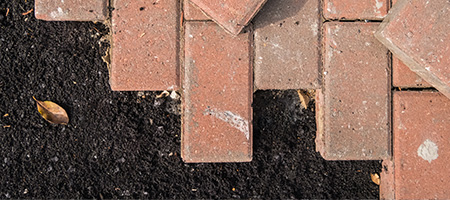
(191, 12)
(287, 45)
(144, 52)
(387, 179)
(218, 89)
(71, 10)
(418, 33)
(232, 15)
(421, 145)
(353, 108)
(349, 9)
(403, 77)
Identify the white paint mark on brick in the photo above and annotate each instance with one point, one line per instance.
(58, 13)
(378, 5)
(428, 151)
(314, 28)
(331, 8)
(232, 119)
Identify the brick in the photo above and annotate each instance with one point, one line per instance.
(191, 12)
(234, 15)
(417, 32)
(421, 145)
(387, 179)
(71, 10)
(403, 77)
(393, 2)
(351, 10)
(354, 106)
(144, 52)
(287, 45)
(218, 90)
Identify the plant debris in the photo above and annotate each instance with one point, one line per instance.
(165, 93)
(174, 95)
(52, 112)
(375, 178)
(28, 12)
(304, 98)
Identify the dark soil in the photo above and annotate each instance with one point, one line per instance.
(121, 145)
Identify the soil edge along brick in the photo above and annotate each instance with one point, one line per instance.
(234, 15)
(418, 33)
(353, 108)
(71, 10)
(421, 145)
(287, 45)
(145, 44)
(218, 92)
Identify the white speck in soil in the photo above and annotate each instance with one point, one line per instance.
(54, 159)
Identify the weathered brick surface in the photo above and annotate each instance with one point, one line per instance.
(218, 89)
(191, 12)
(349, 9)
(353, 108)
(71, 10)
(421, 145)
(144, 52)
(403, 77)
(232, 15)
(418, 33)
(287, 45)
(387, 179)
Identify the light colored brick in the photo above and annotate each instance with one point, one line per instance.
(287, 45)
(354, 106)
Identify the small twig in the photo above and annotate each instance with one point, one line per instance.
(28, 12)
(7, 12)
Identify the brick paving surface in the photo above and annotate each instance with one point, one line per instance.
(421, 145)
(218, 91)
(144, 52)
(191, 12)
(350, 10)
(403, 77)
(71, 10)
(417, 32)
(387, 180)
(287, 45)
(232, 15)
(355, 90)
(353, 103)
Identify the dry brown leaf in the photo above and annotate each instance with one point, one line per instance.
(304, 98)
(375, 178)
(165, 93)
(52, 112)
